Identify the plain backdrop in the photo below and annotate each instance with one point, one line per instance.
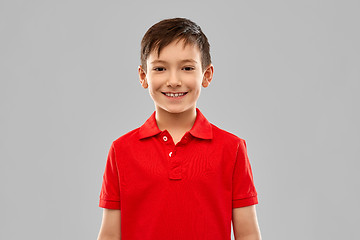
(286, 80)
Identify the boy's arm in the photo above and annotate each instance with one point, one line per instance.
(111, 225)
(245, 224)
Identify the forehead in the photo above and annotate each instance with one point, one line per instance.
(177, 50)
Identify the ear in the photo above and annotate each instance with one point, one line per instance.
(142, 77)
(208, 75)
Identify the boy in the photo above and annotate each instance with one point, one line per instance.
(177, 177)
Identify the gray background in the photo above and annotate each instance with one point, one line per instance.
(286, 80)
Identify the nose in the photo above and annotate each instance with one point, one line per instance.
(173, 80)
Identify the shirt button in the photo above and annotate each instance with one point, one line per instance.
(170, 154)
(165, 138)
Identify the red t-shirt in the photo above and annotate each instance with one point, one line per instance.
(177, 192)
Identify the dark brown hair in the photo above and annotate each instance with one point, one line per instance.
(166, 31)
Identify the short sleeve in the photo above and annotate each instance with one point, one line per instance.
(244, 192)
(110, 189)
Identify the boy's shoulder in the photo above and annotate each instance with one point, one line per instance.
(129, 136)
(224, 135)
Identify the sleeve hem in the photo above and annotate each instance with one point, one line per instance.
(109, 204)
(236, 203)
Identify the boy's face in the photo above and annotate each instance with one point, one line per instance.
(176, 70)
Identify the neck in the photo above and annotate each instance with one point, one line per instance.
(182, 121)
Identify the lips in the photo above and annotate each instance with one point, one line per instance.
(174, 94)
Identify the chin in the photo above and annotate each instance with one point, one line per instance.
(171, 110)
(176, 109)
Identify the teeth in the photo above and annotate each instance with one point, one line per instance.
(174, 95)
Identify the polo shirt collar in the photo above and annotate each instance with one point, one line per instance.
(201, 128)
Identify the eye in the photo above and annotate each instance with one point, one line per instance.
(159, 69)
(188, 68)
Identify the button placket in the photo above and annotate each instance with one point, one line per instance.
(174, 167)
(173, 161)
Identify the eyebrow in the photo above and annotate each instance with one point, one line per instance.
(182, 61)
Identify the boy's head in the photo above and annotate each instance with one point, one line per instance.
(166, 31)
(175, 63)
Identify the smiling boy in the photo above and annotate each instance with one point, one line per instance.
(178, 176)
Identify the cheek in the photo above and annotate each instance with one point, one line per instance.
(195, 83)
(152, 82)
(154, 86)
(152, 90)
(196, 89)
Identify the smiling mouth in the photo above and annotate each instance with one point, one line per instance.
(180, 94)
